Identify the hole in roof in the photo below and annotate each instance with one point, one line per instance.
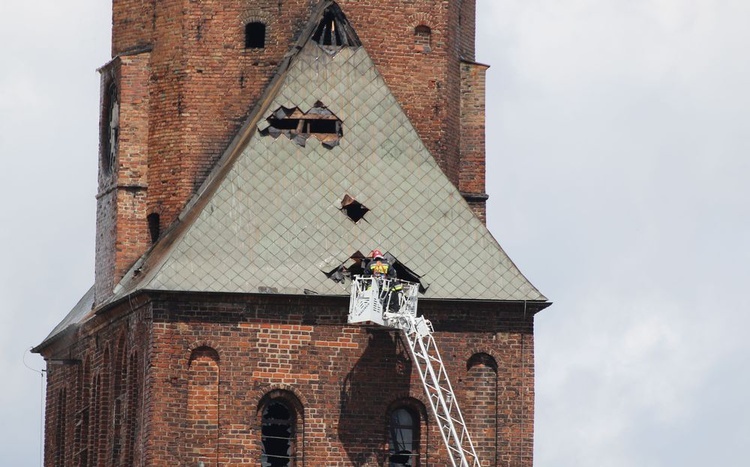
(405, 273)
(351, 267)
(338, 274)
(355, 266)
(354, 209)
(334, 30)
(298, 126)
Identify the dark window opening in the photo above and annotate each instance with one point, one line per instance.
(255, 35)
(423, 38)
(153, 226)
(277, 434)
(334, 30)
(403, 446)
(110, 129)
(354, 209)
(298, 126)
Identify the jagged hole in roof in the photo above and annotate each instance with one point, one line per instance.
(354, 209)
(335, 31)
(355, 266)
(298, 126)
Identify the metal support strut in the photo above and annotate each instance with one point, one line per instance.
(393, 303)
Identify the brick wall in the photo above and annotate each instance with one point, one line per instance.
(191, 373)
(473, 165)
(122, 231)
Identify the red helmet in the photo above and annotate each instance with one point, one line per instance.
(376, 254)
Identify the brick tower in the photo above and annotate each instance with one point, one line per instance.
(252, 152)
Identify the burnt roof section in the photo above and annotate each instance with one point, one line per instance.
(334, 29)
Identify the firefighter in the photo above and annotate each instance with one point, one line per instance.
(379, 267)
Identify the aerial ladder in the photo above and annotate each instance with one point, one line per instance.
(393, 303)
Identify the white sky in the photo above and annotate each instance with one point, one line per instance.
(618, 141)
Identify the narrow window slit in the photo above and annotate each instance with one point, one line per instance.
(153, 226)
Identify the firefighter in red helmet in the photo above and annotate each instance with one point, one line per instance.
(379, 267)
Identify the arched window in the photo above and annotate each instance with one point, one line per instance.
(481, 413)
(280, 416)
(255, 35)
(483, 359)
(403, 434)
(423, 38)
(203, 402)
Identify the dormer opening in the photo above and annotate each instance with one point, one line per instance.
(255, 35)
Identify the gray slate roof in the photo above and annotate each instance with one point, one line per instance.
(80, 312)
(274, 221)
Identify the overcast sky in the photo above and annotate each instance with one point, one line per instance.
(618, 141)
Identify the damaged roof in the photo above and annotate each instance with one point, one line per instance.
(272, 215)
(275, 221)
